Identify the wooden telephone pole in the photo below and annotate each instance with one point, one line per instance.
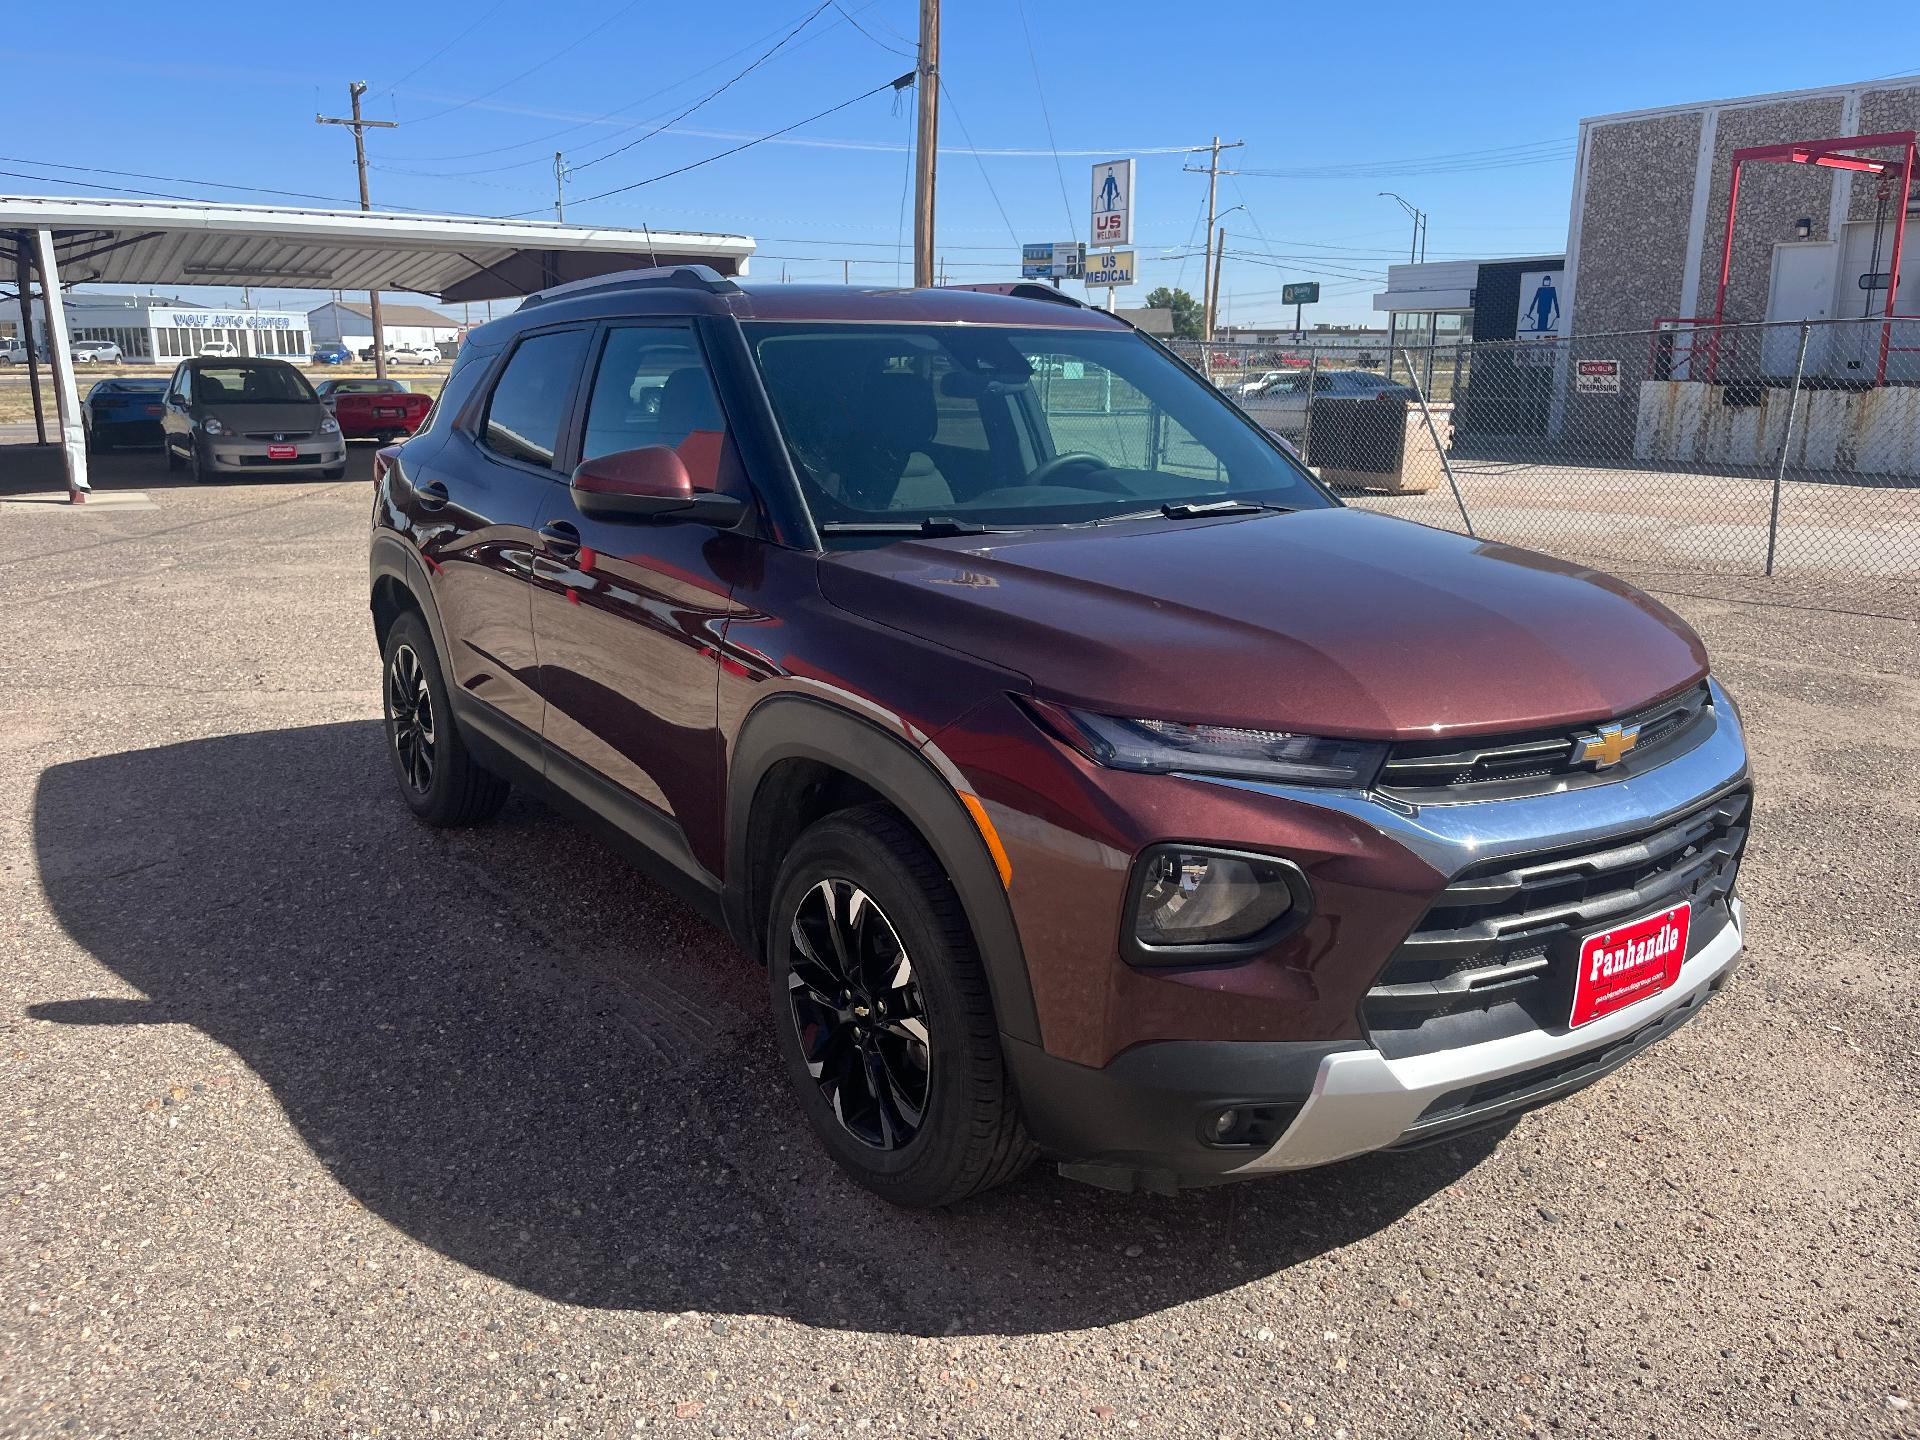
(927, 142)
(359, 128)
(1209, 282)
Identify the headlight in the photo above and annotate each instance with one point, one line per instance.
(212, 426)
(1164, 745)
(1191, 904)
(329, 425)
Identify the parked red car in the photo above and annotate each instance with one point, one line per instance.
(1090, 781)
(373, 409)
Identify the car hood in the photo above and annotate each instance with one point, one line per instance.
(1333, 622)
(266, 419)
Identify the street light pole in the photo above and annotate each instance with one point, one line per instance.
(1417, 248)
(359, 128)
(926, 142)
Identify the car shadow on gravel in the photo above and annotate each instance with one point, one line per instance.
(515, 1050)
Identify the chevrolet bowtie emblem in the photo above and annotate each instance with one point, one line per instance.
(1606, 747)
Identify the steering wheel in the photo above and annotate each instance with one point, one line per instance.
(1048, 471)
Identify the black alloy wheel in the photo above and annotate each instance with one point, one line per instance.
(857, 1009)
(410, 718)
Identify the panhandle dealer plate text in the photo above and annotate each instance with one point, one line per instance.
(1625, 965)
(282, 452)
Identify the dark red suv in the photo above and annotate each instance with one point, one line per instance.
(1090, 781)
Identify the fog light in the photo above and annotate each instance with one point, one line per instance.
(1247, 1126)
(1211, 897)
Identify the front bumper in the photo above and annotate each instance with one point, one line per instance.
(249, 457)
(1143, 1118)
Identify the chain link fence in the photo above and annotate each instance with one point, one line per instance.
(1689, 448)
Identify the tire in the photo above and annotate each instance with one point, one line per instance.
(173, 456)
(335, 472)
(201, 474)
(438, 778)
(921, 1116)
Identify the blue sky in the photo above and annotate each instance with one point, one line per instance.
(1468, 110)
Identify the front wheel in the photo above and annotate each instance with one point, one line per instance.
(884, 1017)
(439, 779)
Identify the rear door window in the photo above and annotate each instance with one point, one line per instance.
(530, 400)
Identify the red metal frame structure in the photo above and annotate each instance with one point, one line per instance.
(1833, 154)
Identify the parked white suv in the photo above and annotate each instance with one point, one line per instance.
(412, 355)
(13, 352)
(221, 350)
(96, 352)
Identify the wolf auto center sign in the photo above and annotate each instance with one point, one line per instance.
(1596, 377)
(1112, 204)
(221, 320)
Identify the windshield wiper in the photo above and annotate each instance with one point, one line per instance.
(1203, 509)
(933, 525)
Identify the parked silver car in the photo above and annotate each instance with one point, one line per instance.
(248, 417)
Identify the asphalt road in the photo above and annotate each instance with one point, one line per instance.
(320, 1123)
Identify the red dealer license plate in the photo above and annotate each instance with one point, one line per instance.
(282, 452)
(380, 414)
(1630, 963)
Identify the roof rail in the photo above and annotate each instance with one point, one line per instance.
(1024, 290)
(673, 277)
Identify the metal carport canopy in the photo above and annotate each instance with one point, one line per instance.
(451, 257)
(454, 258)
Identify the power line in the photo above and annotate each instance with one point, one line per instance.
(900, 84)
(947, 90)
(165, 179)
(1073, 225)
(533, 69)
(488, 15)
(720, 89)
(847, 15)
(581, 123)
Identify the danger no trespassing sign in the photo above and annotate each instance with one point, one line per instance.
(1597, 377)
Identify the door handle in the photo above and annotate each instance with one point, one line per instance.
(432, 495)
(561, 539)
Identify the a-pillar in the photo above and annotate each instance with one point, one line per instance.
(73, 435)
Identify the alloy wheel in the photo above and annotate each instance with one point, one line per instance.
(858, 1011)
(410, 718)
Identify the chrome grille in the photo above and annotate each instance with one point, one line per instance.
(279, 436)
(1506, 932)
(1499, 766)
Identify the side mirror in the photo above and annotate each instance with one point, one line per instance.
(648, 484)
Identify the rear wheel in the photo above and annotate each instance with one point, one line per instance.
(438, 778)
(883, 1014)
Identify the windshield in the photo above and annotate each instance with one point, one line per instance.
(1008, 428)
(250, 385)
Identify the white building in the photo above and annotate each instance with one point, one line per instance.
(412, 327)
(155, 331)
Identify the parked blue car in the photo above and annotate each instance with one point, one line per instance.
(335, 354)
(122, 412)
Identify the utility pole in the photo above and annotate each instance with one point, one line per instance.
(559, 187)
(846, 272)
(1213, 294)
(1211, 269)
(360, 128)
(927, 142)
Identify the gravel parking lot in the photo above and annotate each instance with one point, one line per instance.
(321, 1123)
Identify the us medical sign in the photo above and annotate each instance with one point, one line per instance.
(1112, 216)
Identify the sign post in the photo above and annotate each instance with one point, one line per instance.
(1305, 292)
